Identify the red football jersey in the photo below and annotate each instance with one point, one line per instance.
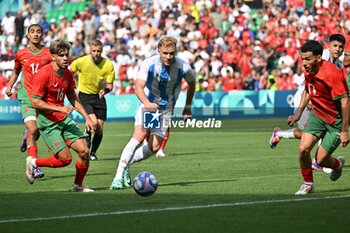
(324, 88)
(30, 63)
(52, 89)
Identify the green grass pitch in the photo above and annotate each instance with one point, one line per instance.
(226, 180)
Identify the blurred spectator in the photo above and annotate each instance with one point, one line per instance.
(19, 28)
(7, 24)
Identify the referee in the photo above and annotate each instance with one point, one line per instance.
(95, 76)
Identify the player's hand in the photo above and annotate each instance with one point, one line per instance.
(151, 107)
(344, 138)
(90, 125)
(101, 94)
(292, 119)
(67, 110)
(186, 114)
(8, 90)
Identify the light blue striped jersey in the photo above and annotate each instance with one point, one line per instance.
(163, 84)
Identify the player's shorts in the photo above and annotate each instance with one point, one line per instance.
(94, 105)
(28, 112)
(59, 135)
(302, 122)
(163, 121)
(331, 138)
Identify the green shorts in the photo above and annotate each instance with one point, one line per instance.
(330, 133)
(59, 135)
(26, 105)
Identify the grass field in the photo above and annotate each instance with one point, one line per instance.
(225, 180)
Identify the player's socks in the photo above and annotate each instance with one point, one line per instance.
(165, 140)
(286, 133)
(126, 156)
(336, 164)
(307, 175)
(141, 153)
(51, 161)
(96, 141)
(33, 151)
(81, 170)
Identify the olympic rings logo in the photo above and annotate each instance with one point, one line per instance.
(122, 105)
(290, 100)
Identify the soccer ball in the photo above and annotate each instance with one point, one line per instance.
(145, 184)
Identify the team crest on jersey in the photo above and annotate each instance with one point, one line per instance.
(45, 61)
(57, 144)
(26, 110)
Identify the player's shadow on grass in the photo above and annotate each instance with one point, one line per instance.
(196, 182)
(72, 175)
(187, 153)
(333, 190)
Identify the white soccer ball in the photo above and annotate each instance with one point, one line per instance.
(145, 184)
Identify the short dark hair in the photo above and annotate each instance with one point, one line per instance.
(35, 25)
(337, 37)
(312, 46)
(59, 45)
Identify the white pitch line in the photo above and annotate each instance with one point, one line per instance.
(171, 209)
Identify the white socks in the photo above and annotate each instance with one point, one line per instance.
(286, 133)
(141, 153)
(126, 157)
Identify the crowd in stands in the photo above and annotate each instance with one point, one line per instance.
(230, 45)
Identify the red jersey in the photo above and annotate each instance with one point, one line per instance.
(30, 63)
(324, 88)
(52, 88)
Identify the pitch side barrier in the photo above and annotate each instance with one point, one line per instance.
(218, 105)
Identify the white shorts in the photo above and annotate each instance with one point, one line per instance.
(163, 120)
(306, 113)
(302, 122)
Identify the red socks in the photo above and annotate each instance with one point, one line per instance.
(307, 175)
(81, 170)
(33, 151)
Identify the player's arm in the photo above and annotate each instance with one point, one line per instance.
(140, 93)
(74, 100)
(39, 104)
(305, 97)
(13, 79)
(344, 134)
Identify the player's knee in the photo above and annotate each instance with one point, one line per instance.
(83, 152)
(66, 161)
(303, 151)
(33, 130)
(154, 148)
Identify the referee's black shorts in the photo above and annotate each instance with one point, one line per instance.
(94, 105)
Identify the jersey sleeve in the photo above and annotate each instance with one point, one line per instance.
(71, 84)
(338, 83)
(40, 87)
(18, 65)
(74, 65)
(111, 73)
(189, 75)
(143, 72)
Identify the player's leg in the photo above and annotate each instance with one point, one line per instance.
(32, 134)
(86, 100)
(324, 157)
(160, 153)
(61, 156)
(306, 144)
(127, 155)
(97, 139)
(75, 140)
